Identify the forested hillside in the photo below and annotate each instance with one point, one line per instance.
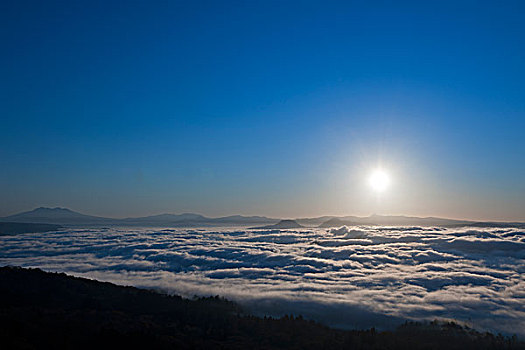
(40, 310)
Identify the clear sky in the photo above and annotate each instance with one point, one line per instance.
(275, 108)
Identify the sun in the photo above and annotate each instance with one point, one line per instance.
(379, 180)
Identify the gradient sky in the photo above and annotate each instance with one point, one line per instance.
(272, 108)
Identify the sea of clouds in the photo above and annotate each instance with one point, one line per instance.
(347, 277)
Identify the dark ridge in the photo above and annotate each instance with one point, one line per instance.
(15, 228)
(41, 310)
(283, 224)
(336, 222)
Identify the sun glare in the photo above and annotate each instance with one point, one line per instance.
(379, 180)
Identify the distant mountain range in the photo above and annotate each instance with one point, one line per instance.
(63, 216)
(54, 216)
(281, 225)
(391, 220)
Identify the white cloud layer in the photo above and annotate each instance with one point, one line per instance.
(351, 276)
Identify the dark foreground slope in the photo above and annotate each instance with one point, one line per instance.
(40, 310)
(15, 228)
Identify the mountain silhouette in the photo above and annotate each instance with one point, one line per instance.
(54, 216)
(392, 220)
(283, 224)
(64, 216)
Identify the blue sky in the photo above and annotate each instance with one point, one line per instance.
(274, 108)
